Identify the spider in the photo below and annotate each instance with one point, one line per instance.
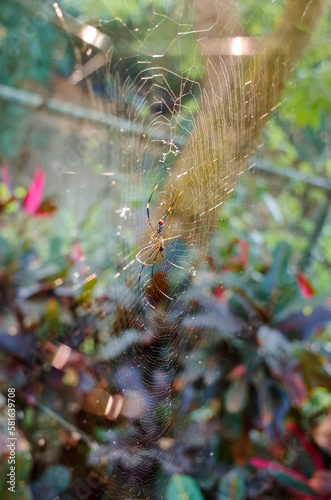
(158, 246)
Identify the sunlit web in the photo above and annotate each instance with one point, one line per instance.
(181, 100)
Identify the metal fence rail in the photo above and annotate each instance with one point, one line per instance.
(39, 102)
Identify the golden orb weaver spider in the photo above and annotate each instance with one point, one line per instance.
(158, 246)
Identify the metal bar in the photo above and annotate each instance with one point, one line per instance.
(294, 175)
(38, 102)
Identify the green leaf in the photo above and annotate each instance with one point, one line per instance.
(293, 481)
(53, 481)
(182, 487)
(278, 271)
(278, 285)
(20, 192)
(273, 207)
(232, 485)
(23, 465)
(236, 396)
(117, 345)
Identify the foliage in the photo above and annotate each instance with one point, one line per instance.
(231, 399)
(31, 50)
(36, 53)
(247, 416)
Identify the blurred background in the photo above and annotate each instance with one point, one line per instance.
(206, 375)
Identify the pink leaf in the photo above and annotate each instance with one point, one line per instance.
(76, 252)
(5, 174)
(238, 371)
(295, 387)
(35, 193)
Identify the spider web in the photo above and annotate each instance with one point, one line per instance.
(162, 101)
(167, 92)
(156, 79)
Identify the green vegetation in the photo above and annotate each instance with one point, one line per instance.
(221, 393)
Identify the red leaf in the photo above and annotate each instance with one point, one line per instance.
(243, 253)
(304, 285)
(218, 291)
(292, 427)
(35, 193)
(46, 208)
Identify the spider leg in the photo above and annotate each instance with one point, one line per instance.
(142, 250)
(169, 209)
(150, 305)
(144, 263)
(178, 267)
(154, 280)
(142, 267)
(148, 217)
